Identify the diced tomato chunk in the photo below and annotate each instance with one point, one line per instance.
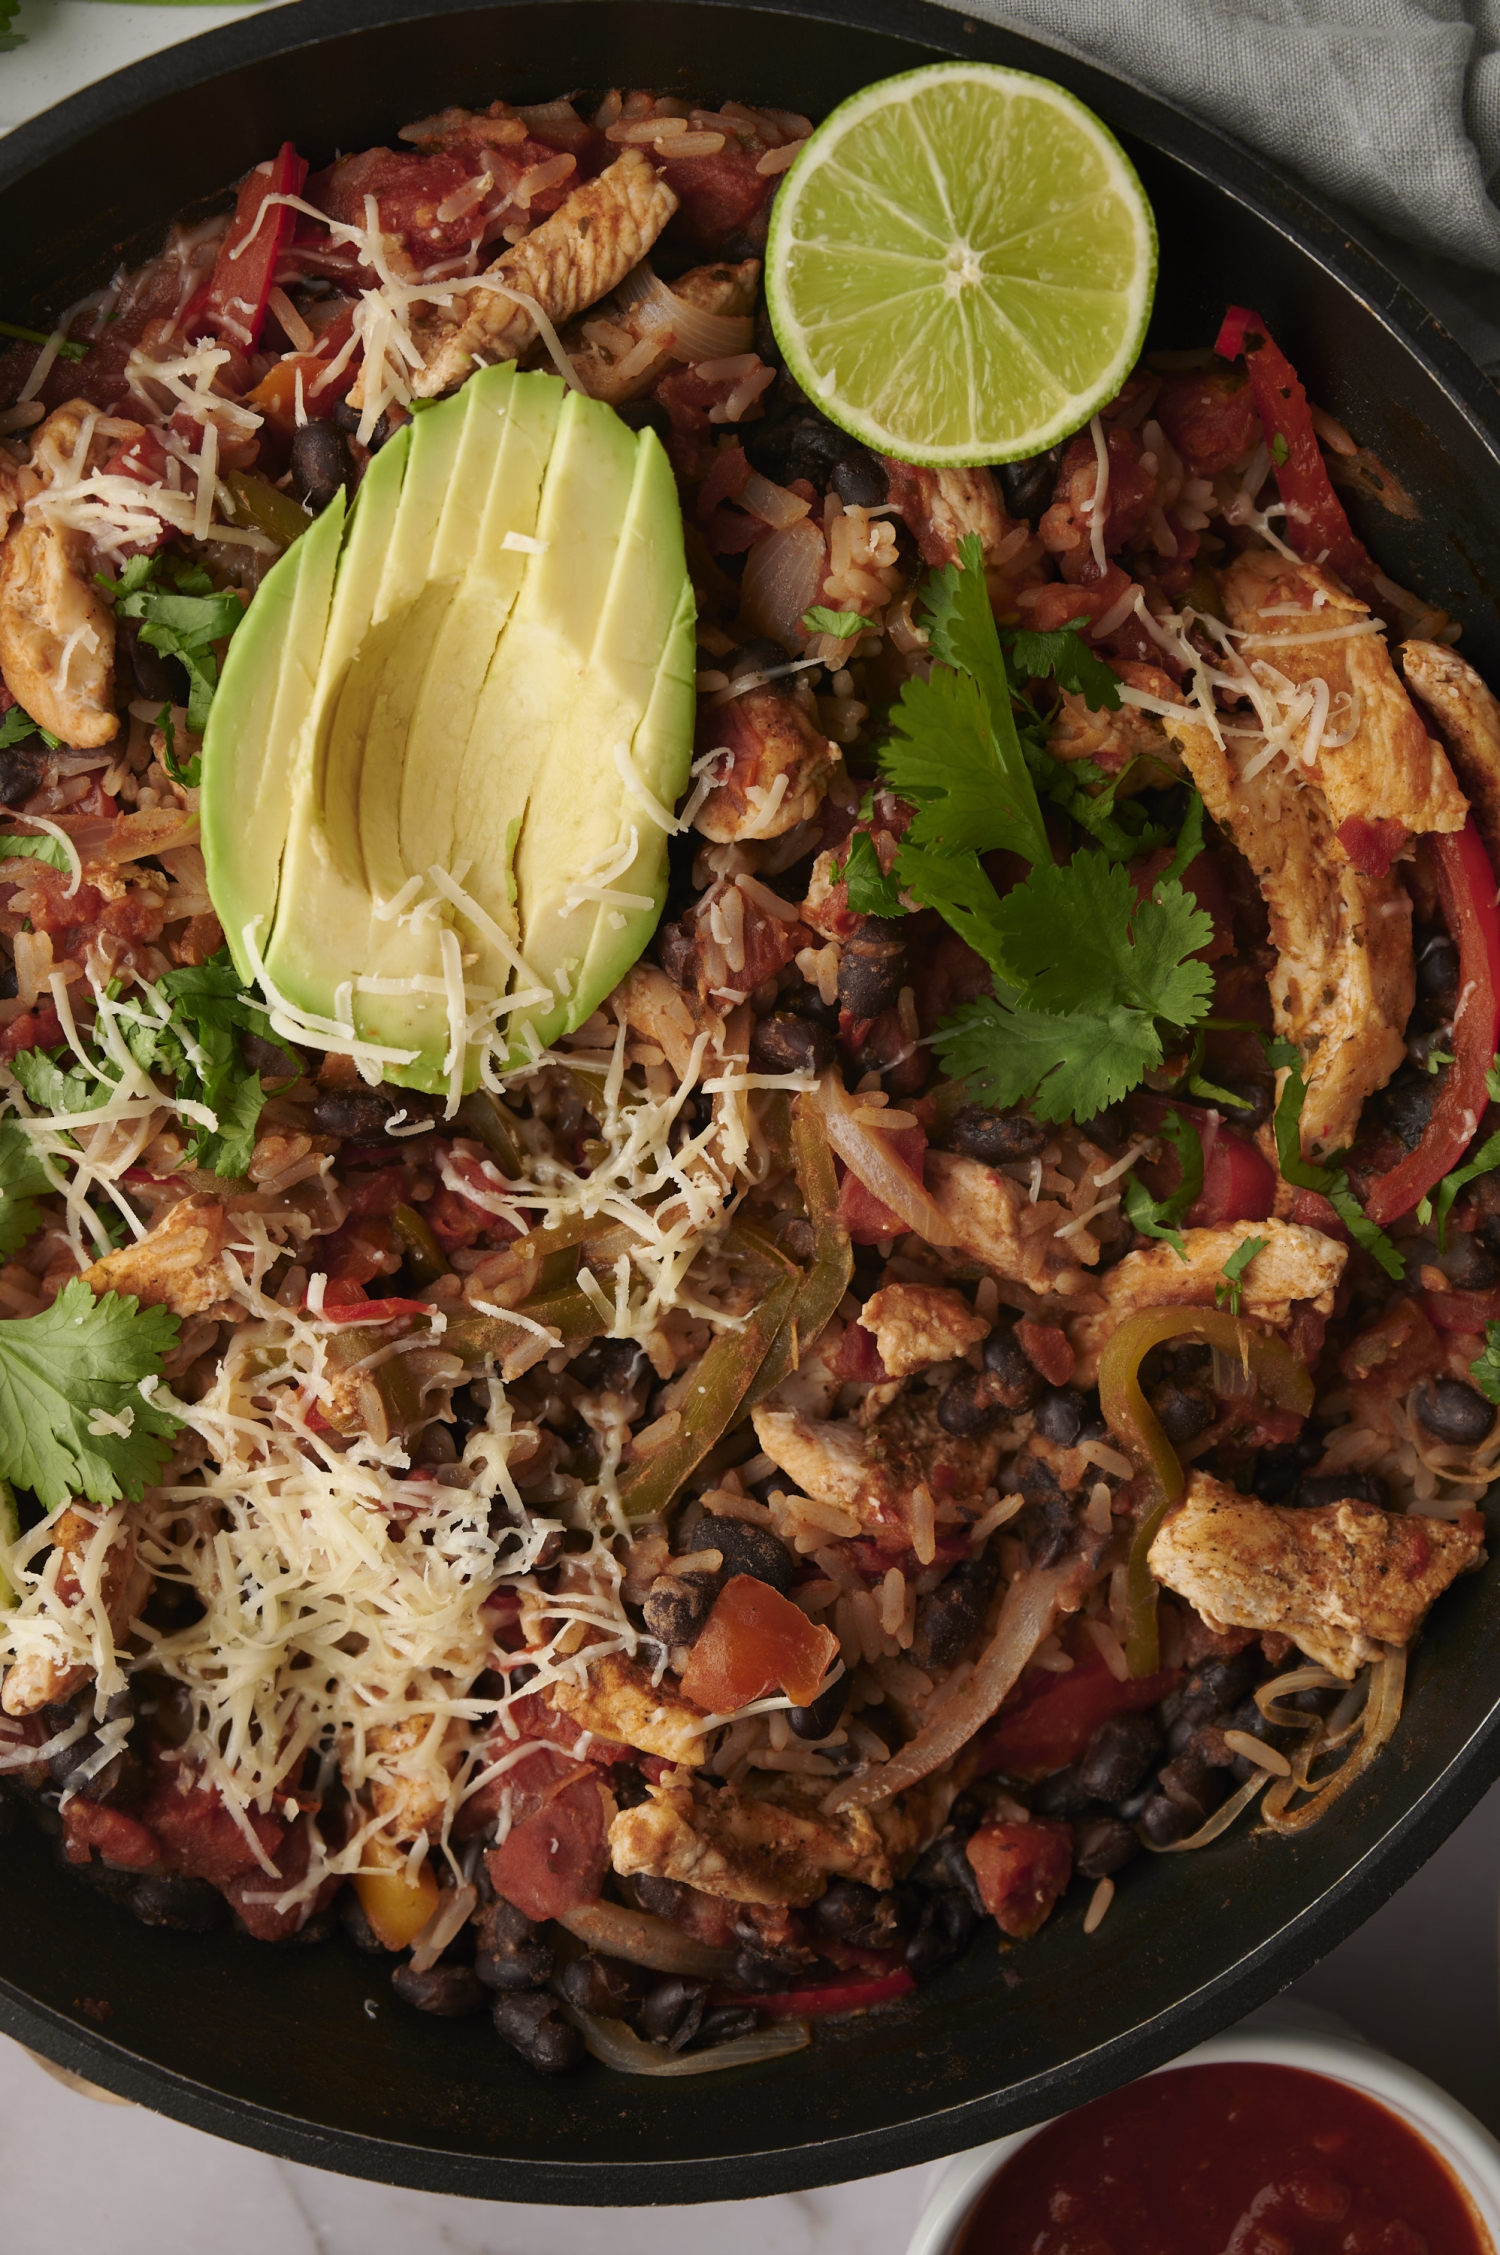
(556, 1858)
(1057, 1715)
(1048, 1349)
(120, 1839)
(1022, 1869)
(1210, 416)
(867, 1218)
(34, 1029)
(253, 1895)
(859, 1357)
(198, 1834)
(755, 1641)
(722, 200)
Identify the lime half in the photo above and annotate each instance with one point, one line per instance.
(960, 265)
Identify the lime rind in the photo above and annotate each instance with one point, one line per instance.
(961, 265)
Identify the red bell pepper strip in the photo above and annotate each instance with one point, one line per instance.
(841, 1992)
(370, 1311)
(234, 306)
(1316, 525)
(1466, 889)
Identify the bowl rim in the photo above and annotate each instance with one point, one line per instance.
(1460, 2140)
(1325, 240)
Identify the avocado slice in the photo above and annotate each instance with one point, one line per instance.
(461, 677)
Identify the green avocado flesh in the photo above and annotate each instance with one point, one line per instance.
(462, 674)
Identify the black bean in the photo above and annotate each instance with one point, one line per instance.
(348, 419)
(22, 770)
(1255, 1108)
(872, 967)
(1453, 1410)
(532, 2025)
(673, 2011)
(511, 1953)
(1437, 967)
(1194, 1784)
(357, 1926)
(321, 464)
(1005, 1359)
(172, 1899)
(800, 444)
(807, 1002)
(1060, 1415)
(362, 1113)
(1102, 1846)
(759, 656)
(158, 678)
(785, 1043)
(745, 1549)
(1165, 1822)
(971, 1402)
(1470, 1266)
(611, 1366)
(1226, 1678)
(277, 1060)
(605, 1985)
(1046, 1527)
(767, 1971)
(1279, 1467)
(947, 1920)
(1028, 484)
(1405, 1104)
(10, 985)
(676, 1609)
(945, 1865)
(822, 1718)
(1118, 1756)
(951, 1616)
(722, 2026)
(664, 1898)
(848, 1911)
(860, 482)
(1181, 1414)
(451, 1992)
(992, 1136)
(1316, 1489)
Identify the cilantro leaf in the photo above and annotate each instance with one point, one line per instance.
(39, 848)
(871, 892)
(1064, 1067)
(1485, 1371)
(1160, 1217)
(70, 348)
(51, 1089)
(1077, 936)
(1189, 842)
(845, 624)
(63, 1374)
(191, 775)
(1064, 657)
(18, 725)
(1330, 1180)
(23, 1179)
(1233, 1273)
(1441, 1202)
(184, 624)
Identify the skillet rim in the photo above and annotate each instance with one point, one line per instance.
(1315, 235)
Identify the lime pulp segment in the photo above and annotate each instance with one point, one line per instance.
(961, 264)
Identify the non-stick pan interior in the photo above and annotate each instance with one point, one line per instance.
(305, 2050)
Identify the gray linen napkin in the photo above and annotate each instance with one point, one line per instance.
(1391, 108)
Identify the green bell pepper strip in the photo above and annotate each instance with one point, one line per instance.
(484, 1116)
(1131, 1418)
(423, 1255)
(259, 505)
(10, 1531)
(827, 1280)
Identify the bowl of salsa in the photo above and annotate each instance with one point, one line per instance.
(1266, 2141)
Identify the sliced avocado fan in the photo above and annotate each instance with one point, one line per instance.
(432, 762)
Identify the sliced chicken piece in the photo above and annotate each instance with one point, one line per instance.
(57, 635)
(916, 1325)
(941, 507)
(1467, 715)
(772, 1845)
(1344, 981)
(574, 258)
(654, 1007)
(779, 767)
(1299, 1267)
(409, 1789)
(812, 1388)
(176, 1265)
(874, 1471)
(1113, 739)
(602, 347)
(994, 1221)
(618, 1701)
(98, 1575)
(1339, 1580)
(1390, 770)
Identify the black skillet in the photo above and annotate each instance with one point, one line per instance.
(304, 2051)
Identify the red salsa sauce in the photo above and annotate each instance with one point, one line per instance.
(1232, 2160)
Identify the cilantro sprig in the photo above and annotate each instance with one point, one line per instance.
(1485, 1369)
(1331, 1180)
(1087, 974)
(1439, 1203)
(1163, 1217)
(1227, 1293)
(845, 624)
(74, 1420)
(182, 620)
(23, 1179)
(18, 725)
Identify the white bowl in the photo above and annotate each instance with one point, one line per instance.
(1281, 2037)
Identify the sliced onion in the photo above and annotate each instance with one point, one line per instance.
(643, 1940)
(621, 2048)
(783, 574)
(1027, 1618)
(689, 332)
(1382, 1713)
(1221, 1819)
(453, 1913)
(771, 503)
(867, 1153)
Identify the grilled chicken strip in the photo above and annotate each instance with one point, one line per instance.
(769, 1847)
(1299, 1266)
(599, 356)
(1390, 769)
(916, 1325)
(618, 1701)
(113, 1588)
(1467, 714)
(57, 635)
(874, 1471)
(176, 1265)
(574, 258)
(994, 1221)
(941, 507)
(1344, 981)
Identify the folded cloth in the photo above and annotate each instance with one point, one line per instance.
(1391, 107)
